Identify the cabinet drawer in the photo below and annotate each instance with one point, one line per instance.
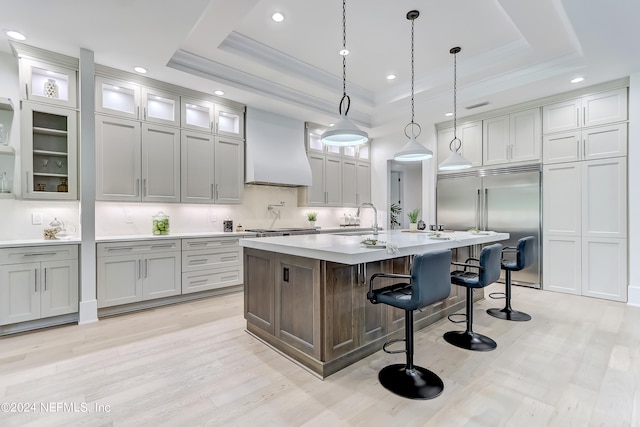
(201, 259)
(145, 246)
(208, 242)
(196, 281)
(37, 254)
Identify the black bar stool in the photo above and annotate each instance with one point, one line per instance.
(524, 257)
(488, 272)
(429, 282)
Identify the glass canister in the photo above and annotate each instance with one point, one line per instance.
(160, 224)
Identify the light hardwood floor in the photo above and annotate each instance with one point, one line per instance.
(577, 363)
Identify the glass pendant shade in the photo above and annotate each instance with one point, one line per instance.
(413, 151)
(344, 133)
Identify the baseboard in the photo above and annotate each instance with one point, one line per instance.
(633, 296)
(88, 312)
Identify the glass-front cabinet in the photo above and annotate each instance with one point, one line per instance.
(49, 152)
(229, 121)
(197, 114)
(118, 98)
(44, 82)
(160, 107)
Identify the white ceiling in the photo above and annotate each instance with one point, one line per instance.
(512, 50)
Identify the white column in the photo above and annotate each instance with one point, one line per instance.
(88, 301)
(634, 189)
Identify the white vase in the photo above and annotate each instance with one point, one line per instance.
(413, 226)
(312, 223)
(50, 89)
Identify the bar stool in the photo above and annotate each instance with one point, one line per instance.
(429, 282)
(524, 257)
(488, 272)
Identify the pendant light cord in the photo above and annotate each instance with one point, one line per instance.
(412, 73)
(412, 15)
(345, 97)
(455, 90)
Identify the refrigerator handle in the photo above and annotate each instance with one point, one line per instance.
(485, 216)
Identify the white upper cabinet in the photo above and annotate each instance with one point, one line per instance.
(589, 110)
(229, 121)
(197, 114)
(160, 107)
(512, 138)
(229, 170)
(604, 198)
(45, 82)
(562, 193)
(497, 144)
(197, 167)
(118, 98)
(133, 101)
(587, 144)
(470, 134)
(160, 164)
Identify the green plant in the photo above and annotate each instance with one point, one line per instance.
(312, 216)
(413, 215)
(395, 210)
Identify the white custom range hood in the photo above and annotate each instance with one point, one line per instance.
(275, 152)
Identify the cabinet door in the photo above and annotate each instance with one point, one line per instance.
(349, 182)
(605, 107)
(471, 136)
(604, 141)
(49, 152)
(561, 147)
(343, 305)
(119, 280)
(229, 170)
(259, 295)
(561, 116)
(229, 121)
(315, 193)
(118, 159)
(364, 183)
(48, 83)
(562, 194)
(204, 280)
(496, 140)
(525, 136)
(197, 114)
(333, 181)
(160, 164)
(117, 97)
(604, 268)
(444, 140)
(196, 167)
(160, 107)
(161, 275)
(19, 292)
(562, 264)
(59, 288)
(604, 198)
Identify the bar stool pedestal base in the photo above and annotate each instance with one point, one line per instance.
(470, 340)
(416, 383)
(509, 314)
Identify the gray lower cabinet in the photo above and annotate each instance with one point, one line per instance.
(130, 272)
(210, 263)
(38, 282)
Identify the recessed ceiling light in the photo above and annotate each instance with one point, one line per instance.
(331, 124)
(140, 70)
(15, 35)
(391, 77)
(577, 80)
(448, 114)
(277, 17)
(344, 52)
(218, 92)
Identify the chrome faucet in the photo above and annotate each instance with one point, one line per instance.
(375, 218)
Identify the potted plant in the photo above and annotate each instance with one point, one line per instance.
(312, 217)
(395, 215)
(413, 219)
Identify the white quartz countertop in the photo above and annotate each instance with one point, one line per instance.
(38, 242)
(134, 237)
(347, 249)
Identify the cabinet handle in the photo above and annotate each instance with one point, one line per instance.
(144, 187)
(137, 187)
(26, 90)
(577, 117)
(138, 112)
(228, 277)
(139, 270)
(197, 261)
(213, 191)
(39, 254)
(217, 192)
(168, 245)
(35, 280)
(26, 180)
(144, 110)
(584, 116)
(228, 258)
(145, 269)
(584, 148)
(119, 249)
(190, 244)
(45, 279)
(195, 282)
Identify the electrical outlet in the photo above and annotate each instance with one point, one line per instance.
(213, 217)
(36, 218)
(128, 218)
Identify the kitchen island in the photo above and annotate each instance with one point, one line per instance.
(306, 295)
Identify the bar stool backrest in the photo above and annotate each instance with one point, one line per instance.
(430, 279)
(525, 254)
(490, 258)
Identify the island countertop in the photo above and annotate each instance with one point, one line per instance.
(347, 249)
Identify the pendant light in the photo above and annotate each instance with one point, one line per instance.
(455, 161)
(412, 151)
(344, 133)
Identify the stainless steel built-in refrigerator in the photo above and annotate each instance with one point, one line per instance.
(501, 199)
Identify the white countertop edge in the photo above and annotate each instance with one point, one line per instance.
(38, 242)
(347, 249)
(128, 238)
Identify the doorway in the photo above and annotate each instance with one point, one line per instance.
(405, 190)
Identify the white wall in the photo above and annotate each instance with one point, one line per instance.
(634, 189)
